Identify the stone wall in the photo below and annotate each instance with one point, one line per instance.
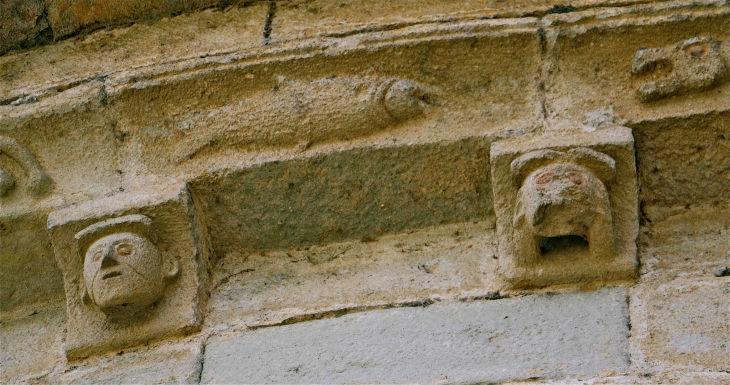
(312, 191)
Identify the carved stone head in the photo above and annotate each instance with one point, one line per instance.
(562, 194)
(566, 206)
(123, 269)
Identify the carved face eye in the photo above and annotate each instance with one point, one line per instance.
(696, 49)
(577, 179)
(125, 249)
(97, 255)
(544, 178)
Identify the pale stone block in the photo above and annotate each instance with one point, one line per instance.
(670, 378)
(683, 324)
(567, 207)
(584, 333)
(694, 243)
(135, 268)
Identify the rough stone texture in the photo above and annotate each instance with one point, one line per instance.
(69, 16)
(347, 195)
(23, 24)
(700, 179)
(682, 323)
(302, 19)
(107, 111)
(177, 362)
(451, 261)
(29, 273)
(63, 65)
(454, 342)
(575, 71)
(691, 244)
(30, 342)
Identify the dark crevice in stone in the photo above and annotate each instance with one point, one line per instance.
(269, 22)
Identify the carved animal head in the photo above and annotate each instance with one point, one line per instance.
(123, 269)
(562, 193)
(692, 65)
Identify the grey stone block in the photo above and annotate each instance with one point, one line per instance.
(543, 336)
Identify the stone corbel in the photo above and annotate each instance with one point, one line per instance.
(567, 207)
(135, 268)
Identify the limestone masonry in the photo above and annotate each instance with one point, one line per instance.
(365, 191)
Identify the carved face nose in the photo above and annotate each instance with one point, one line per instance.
(109, 258)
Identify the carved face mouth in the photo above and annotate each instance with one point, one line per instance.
(111, 275)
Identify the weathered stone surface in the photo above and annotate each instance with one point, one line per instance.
(677, 378)
(65, 63)
(69, 16)
(684, 323)
(455, 342)
(478, 96)
(30, 342)
(448, 261)
(22, 24)
(690, 244)
(53, 127)
(29, 274)
(576, 72)
(347, 195)
(682, 163)
(170, 362)
(301, 19)
(556, 220)
(135, 268)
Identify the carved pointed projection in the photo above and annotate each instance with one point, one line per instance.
(38, 184)
(693, 65)
(338, 108)
(566, 207)
(135, 269)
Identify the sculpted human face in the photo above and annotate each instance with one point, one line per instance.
(123, 269)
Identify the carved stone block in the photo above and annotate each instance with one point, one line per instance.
(135, 269)
(690, 66)
(567, 207)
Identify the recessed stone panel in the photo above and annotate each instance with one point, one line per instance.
(135, 268)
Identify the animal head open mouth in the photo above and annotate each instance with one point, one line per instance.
(111, 275)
